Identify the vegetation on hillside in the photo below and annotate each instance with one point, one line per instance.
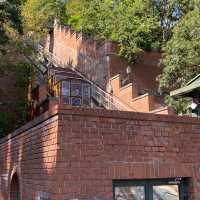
(182, 52)
(13, 65)
(169, 26)
(137, 25)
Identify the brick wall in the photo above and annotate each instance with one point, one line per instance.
(85, 54)
(30, 153)
(144, 71)
(74, 153)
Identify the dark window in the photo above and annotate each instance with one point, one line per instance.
(76, 90)
(76, 101)
(158, 189)
(86, 90)
(66, 88)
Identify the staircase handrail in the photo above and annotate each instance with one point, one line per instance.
(109, 101)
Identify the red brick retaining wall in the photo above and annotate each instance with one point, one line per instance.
(77, 153)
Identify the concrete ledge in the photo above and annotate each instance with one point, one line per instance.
(159, 109)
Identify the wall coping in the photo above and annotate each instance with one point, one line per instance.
(128, 115)
(101, 113)
(159, 109)
(115, 77)
(126, 86)
(141, 97)
(42, 118)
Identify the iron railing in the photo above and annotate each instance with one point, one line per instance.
(103, 98)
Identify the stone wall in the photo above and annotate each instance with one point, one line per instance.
(76, 153)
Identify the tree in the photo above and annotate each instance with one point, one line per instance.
(181, 57)
(169, 12)
(13, 64)
(9, 19)
(135, 24)
(38, 16)
(131, 23)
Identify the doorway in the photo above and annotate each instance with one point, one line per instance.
(15, 188)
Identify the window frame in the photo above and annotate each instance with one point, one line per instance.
(149, 183)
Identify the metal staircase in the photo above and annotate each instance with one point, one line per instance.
(103, 98)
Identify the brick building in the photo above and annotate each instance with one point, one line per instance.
(77, 153)
(134, 85)
(76, 148)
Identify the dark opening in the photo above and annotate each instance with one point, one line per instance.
(15, 189)
(51, 41)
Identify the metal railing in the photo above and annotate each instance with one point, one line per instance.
(103, 98)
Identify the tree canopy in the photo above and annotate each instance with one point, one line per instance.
(169, 26)
(137, 25)
(181, 58)
(38, 15)
(13, 65)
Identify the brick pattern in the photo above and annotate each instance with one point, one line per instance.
(33, 154)
(76, 153)
(86, 55)
(128, 94)
(100, 63)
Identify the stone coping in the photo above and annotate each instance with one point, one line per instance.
(127, 115)
(42, 118)
(141, 97)
(159, 109)
(126, 86)
(102, 113)
(114, 77)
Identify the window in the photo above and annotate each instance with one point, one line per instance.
(150, 189)
(43, 196)
(76, 101)
(86, 90)
(66, 88)
(76, 90)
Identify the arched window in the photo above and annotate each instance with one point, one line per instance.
(15, 188)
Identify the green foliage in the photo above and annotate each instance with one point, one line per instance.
(73, 12)
(180, 106)
(9, 16)
(129, 22)
(136, 25)
(14, 112)
(182, 53)
(38, 15)
(136, 29)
